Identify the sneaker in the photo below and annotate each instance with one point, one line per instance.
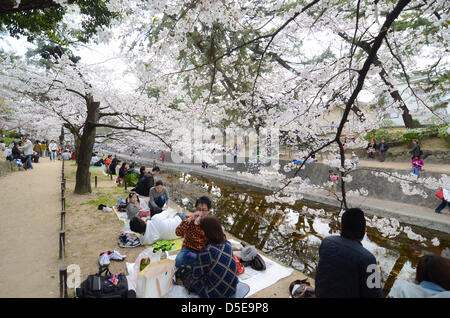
(116, 256)
(103, 259)
(107, 209)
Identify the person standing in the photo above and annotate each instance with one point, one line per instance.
(415, 151)
(37, 148)
(346, 269)
(28, 151)
(445, 200)
(163, 156)
(383, 148)
(53, 149)
(44, 149)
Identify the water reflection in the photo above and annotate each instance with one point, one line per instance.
(293, 233)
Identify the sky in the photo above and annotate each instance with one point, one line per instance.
(108, 55)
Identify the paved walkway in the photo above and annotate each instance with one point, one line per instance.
(406, 213)
(30, 226)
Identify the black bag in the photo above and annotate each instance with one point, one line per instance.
(98, 286)
(184, 276)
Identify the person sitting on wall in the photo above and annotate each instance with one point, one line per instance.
(371, 149)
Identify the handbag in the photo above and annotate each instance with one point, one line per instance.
(440, 194)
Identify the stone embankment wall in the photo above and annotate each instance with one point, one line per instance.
(7, 166)
(378, 187)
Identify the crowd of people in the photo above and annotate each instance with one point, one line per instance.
(25, 153)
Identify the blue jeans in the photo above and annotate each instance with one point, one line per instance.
(442, 206)
(183, 259)
(416, 171)
(30, 166)
(53, 155)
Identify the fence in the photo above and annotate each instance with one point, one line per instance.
(62, 237)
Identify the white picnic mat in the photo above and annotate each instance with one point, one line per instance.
(257, 280)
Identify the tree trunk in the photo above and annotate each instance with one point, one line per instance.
(87, 141)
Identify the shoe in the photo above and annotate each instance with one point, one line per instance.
(116, 256)
(438, 212)
(103, 259)
(107, 209)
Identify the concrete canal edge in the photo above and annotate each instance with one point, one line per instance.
(411, 214)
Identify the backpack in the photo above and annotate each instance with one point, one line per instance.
(106, 286)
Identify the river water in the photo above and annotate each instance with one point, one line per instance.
(292, 234)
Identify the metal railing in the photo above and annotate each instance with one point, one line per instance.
(62, 237)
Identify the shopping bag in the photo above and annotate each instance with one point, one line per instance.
(440, 194)
(156, 280)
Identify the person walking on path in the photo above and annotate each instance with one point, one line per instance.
(417, 165)
(415, 151)
(53, 149)
(445, 200)
(383, 148)
(346, 269)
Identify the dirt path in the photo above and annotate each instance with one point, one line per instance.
(30, 227)
(432, 167)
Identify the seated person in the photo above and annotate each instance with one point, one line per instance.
(215, 274)
(146, 181)
(108, 161)
(17, 154)
(66, 155)
(94, 159)
(432, 280)
(133, 206)
(131, 176)
(194, 238)
(113, 165)
(371, 149)
(161, 227)
(159, 197)
(123, 169)
(35, 157)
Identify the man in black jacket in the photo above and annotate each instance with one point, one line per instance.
(346, 269)
(146, 182)
(383, 148)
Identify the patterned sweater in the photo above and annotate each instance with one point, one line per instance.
(216, 273)
(194, 237)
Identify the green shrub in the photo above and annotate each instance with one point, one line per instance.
(409, 135)
(370, 135)
(387, 122)
(381, 134)
(416, 123)
(443, 133)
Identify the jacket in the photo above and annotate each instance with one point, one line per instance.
(415, 151)
(154, 195)
(343, 270)
(37, 148)
(145, 183)
(383, 147)
(417, 163)
(216, 274)
(52, 146)
(28, 148)
(406, 289)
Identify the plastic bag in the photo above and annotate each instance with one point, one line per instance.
(156, 280)
(133, 268)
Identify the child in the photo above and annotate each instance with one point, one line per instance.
(417, 164)
(333, 178)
